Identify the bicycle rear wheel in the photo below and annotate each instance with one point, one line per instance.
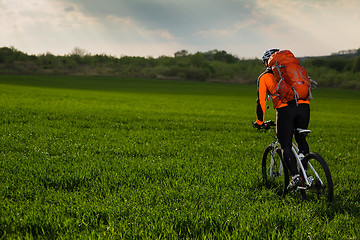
(319, 175)
(274, 173)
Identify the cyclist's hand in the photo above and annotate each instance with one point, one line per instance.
(256, 125)
(268, 124)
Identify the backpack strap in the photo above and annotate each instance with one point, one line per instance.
(312, 85)
(277, 66)
(296, 95)
(310, 95)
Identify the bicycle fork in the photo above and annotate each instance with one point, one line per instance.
(273, 173)
(308, 180)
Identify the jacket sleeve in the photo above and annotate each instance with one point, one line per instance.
(261, 98)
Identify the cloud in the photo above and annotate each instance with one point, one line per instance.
(116, 20)
(162, 33)
(162, 27)
(44, 25)
(180, 18)
(321, 26)
(228, 30)
(69, 9)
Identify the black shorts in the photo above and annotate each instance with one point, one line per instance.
(288, 119)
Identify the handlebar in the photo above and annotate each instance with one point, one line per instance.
(266, 125)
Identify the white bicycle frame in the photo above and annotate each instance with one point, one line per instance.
(272, 162)
(308, 180)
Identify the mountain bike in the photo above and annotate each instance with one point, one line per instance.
(316, 181)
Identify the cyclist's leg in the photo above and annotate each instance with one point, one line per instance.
(302, 121)
(285, 129)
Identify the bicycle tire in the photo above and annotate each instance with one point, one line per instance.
(275, 180)
(317, 190)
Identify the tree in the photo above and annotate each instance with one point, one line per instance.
(9, 55)
(182, 53)
(197, 59)
(79, 52)
(356, 65)
(222, 56)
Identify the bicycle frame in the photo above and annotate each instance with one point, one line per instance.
(273, 167)
(299, 157)
(274, 145)
(272, 162)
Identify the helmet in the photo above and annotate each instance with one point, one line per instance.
(267, 54)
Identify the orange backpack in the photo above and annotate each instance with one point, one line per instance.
(293, 81)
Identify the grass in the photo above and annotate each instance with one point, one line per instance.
(107, 158)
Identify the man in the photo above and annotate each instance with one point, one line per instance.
(289, 116)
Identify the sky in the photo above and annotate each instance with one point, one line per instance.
(153, 28)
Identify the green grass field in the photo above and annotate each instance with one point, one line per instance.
(107, 158)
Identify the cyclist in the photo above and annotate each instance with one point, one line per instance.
(289, 116)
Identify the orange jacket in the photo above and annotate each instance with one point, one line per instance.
(267, 85)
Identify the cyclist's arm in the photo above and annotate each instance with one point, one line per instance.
(261, 98)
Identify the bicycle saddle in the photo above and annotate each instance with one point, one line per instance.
(303, 131)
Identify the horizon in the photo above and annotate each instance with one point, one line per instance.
(84, 52)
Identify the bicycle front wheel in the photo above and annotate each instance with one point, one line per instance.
(321, 184)
(274, 173)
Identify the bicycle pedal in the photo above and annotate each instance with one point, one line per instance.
(301, 188)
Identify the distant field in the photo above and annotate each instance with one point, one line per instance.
(108, 158)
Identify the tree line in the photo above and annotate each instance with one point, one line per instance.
(337, 70)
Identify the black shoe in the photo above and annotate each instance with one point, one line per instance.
(294, 183)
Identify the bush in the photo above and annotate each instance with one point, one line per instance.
(356, 65)
(332, 71)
